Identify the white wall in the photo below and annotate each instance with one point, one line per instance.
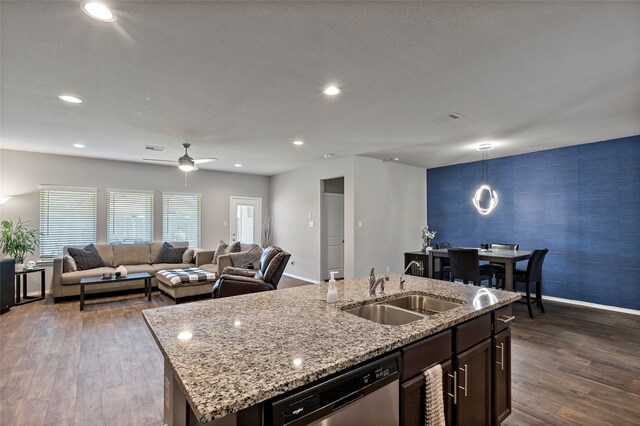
(21, 174)
(389, 199)
(295, 195)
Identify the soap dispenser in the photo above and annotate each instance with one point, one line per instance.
(332, 291)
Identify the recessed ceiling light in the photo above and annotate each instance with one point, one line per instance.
(78, 145)
(98, 11)
(484, 146)
(71, 99)
(298, 142)
(331, 90)
(238, 165)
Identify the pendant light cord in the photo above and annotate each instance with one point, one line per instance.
(485, 171)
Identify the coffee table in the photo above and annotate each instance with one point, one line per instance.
(130, 277)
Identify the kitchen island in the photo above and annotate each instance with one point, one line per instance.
(230, 355)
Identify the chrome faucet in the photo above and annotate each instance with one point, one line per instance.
(413, 262)
(374, 283)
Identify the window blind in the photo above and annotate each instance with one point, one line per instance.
(129, 216)
(181, 218)
(67, 217)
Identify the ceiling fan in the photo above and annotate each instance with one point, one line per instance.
(185, 163)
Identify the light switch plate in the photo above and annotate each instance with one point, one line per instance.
(310, 224)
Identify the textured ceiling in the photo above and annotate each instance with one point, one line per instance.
(242, 80)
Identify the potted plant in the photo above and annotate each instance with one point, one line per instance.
(17, 240)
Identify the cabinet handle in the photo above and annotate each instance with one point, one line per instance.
(466, 374)
(501, 363)
(455, 387)
(505, 319)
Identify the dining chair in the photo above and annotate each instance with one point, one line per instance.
(465, 266)
(496, 268)
(445, 265)
(533, 275)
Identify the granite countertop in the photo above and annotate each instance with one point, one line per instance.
(247, 349)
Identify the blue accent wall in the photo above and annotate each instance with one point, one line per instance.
(581, 202)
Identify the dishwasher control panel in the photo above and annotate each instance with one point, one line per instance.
(334, 393)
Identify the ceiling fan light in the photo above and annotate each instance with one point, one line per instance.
(186, 164)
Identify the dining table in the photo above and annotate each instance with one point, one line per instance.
(508, 258)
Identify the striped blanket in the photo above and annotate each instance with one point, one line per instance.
(185, 276)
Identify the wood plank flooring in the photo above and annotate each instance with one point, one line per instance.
(571, 366)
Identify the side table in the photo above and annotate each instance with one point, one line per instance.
(21, 277)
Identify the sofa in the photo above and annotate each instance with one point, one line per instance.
(135, 258)
(249, 254)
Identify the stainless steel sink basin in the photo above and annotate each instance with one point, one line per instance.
(423, 304)
(384, 314)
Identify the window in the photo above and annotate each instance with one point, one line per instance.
(181, 218)
(129, 216)
(245, 217)
(67, 217)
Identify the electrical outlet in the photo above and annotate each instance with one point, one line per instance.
(225, 223)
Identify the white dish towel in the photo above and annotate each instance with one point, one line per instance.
(434, 402)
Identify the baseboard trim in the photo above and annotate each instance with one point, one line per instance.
(297, 277)
(591, 305)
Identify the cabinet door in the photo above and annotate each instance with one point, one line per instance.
(502, 376)
(474, 385)
(447, 386)
(412, 400)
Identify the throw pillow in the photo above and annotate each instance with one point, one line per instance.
(170, 254)
(188, 256)
(220, 250)
(86, 258)
(234, 248)
(68, 264)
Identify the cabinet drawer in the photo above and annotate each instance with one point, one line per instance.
(502, 319)
(473, 332)
(420, 355)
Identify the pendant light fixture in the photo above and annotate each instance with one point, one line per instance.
(483, 204)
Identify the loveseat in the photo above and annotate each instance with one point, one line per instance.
(135, 258)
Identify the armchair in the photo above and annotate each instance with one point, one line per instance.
(248, 254)
(236, 281)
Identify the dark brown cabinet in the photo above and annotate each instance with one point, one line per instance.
(502, 376)
(473, 406)
(476, 363)
(422, 260)
(7, 280)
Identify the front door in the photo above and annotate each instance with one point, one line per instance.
(245, 220)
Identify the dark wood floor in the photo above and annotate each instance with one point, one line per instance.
(101, 367)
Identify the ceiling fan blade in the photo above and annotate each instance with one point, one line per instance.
(157, 159)
(204, 160)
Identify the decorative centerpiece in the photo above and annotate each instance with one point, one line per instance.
(427, 238)
(17, 240)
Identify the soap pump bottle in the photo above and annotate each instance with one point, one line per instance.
(332, 291)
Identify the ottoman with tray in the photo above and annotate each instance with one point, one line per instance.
(181, 284)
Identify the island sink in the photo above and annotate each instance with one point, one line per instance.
(385, 314)
(423, 304)
(403, 310)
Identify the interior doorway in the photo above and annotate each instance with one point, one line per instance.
(332, 224)
(245, 220)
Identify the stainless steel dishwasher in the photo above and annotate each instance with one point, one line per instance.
(365, 395)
